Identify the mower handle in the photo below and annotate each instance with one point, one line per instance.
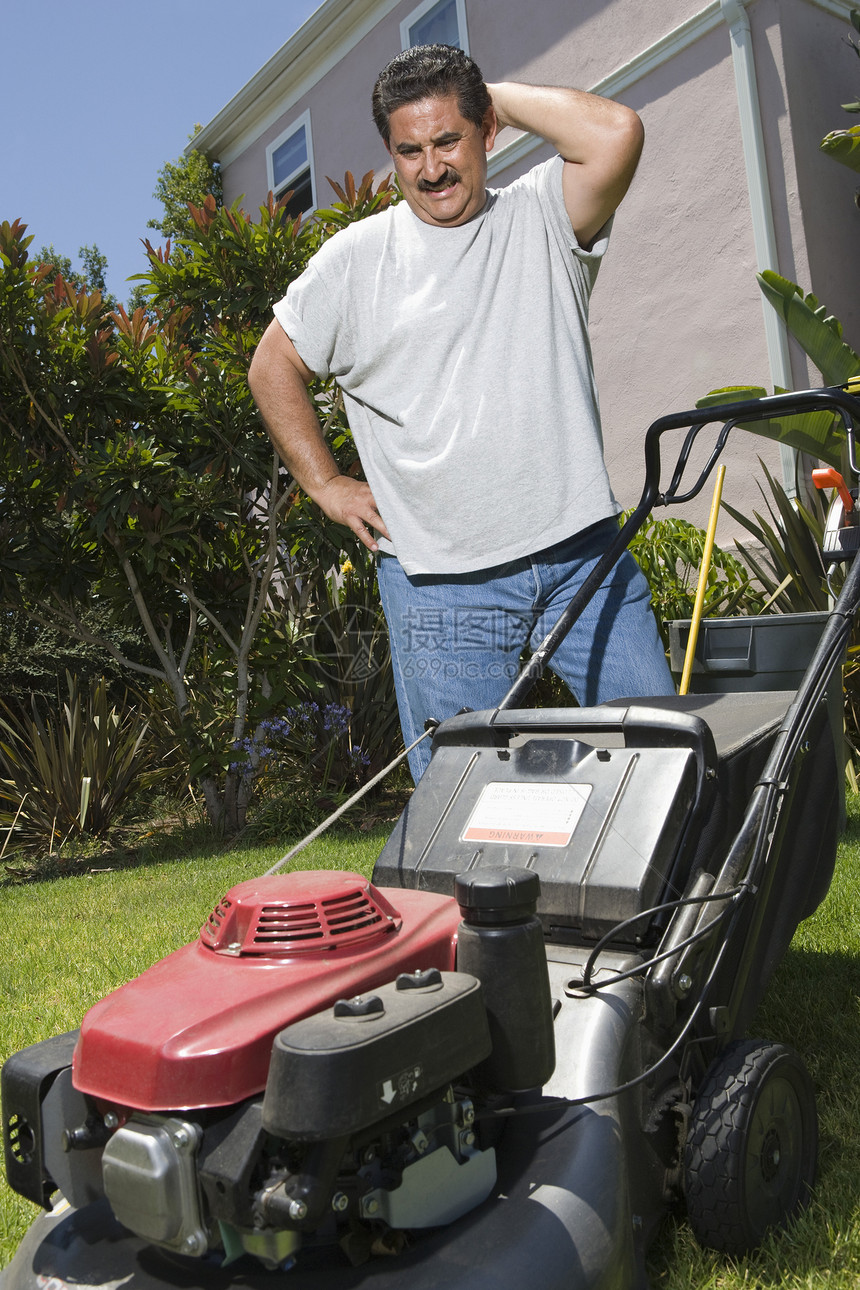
(638, 725)
(832, 397)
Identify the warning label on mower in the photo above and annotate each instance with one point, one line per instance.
(529, 814)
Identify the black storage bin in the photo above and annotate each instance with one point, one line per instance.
(760, 652)
(765, 652)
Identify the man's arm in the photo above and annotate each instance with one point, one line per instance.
(279, 379)
(600, 141)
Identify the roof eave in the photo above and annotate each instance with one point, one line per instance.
(305, 57)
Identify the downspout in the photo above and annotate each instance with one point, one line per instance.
(764, 237)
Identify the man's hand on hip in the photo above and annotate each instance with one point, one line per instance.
(350, 502)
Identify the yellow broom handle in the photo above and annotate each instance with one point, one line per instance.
(703, 581)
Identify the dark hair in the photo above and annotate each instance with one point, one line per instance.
(429, 71)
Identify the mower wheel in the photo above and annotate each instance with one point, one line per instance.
(752, 1147)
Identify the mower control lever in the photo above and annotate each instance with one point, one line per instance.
(827, 477)
(841, 530)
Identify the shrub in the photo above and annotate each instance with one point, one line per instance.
(69, 771)
(669, 552)
(303, 764)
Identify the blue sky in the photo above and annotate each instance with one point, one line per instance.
(96, 95)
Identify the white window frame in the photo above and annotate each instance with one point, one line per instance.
(303, 121)
(417, 14)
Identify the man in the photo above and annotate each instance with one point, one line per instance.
(456, 326)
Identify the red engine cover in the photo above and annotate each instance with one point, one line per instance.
(197, 1029)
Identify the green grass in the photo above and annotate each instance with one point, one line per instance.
(68, 941)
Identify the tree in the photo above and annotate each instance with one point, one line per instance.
(190, 179)
(134, 472)
(92, 274)
(34, 658)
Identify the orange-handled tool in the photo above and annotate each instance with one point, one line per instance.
(827, 477)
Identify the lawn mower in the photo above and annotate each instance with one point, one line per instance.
(500, 1061)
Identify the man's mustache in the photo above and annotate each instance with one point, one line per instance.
(449, 178)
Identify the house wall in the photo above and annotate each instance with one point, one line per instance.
(561, 43)
(821, 73)
(677, 310)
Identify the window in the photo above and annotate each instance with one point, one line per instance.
(289, 162)
(436, 22)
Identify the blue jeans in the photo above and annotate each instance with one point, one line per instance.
(456, 639)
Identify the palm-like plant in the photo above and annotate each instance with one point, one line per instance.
(819, 434)
(68, 772)
(793, 577)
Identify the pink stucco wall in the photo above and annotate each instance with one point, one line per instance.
(561, 43)
(677, 312)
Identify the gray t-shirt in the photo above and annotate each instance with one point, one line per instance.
(465, 365)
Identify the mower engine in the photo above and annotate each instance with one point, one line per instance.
(307, 1072)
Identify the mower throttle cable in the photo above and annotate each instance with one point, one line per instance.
(612, 934)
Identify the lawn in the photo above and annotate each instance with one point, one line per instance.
(70, 940)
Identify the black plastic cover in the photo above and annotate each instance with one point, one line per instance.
(598, 803)
(228, 1156)
(24, 1082)
(334, 1075)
